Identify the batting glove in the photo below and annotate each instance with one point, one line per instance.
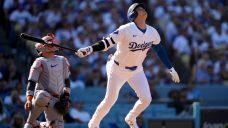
(174, 75)
(83, 52)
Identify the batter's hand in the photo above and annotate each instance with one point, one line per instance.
(83, 52)
(28, 105)
(174, 75)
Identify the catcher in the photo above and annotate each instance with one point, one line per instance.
(48, 88)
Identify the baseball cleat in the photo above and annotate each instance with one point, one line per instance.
(92, 126)
(131, 123)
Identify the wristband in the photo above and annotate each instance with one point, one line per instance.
(29, 98)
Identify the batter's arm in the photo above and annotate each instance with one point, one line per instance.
(102, 45)
(98, 46)
(161, 52)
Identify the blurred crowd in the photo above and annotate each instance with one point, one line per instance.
(194, 32)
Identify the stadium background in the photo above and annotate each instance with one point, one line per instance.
(195, 34)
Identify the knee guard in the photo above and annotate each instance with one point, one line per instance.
(42, 98)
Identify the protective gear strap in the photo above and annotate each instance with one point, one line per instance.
(162, 54)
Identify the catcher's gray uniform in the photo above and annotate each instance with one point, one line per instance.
(49, 75)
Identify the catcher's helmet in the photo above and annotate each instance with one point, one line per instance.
(132, 13)
(40, 48)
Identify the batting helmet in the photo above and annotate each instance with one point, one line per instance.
(132, 13)
(49, 38)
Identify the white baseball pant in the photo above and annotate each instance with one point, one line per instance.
(117, 76)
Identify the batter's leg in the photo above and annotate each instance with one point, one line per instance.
(140, 85)
(113, 87)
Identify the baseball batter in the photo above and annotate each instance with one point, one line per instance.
(133, 41)
(48, 82)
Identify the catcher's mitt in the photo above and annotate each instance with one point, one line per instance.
(63, 105)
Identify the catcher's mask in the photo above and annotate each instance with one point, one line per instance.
(41, 48)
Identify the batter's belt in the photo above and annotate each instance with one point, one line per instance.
(133, 68)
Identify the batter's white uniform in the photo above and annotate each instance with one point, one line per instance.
(126, 66)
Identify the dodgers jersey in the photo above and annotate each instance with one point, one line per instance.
(50, 74)
(133, 44)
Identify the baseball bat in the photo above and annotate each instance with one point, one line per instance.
(39, 40)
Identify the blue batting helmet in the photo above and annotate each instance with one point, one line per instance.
(131, 13)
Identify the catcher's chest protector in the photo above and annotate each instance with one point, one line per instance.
(52, 77)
